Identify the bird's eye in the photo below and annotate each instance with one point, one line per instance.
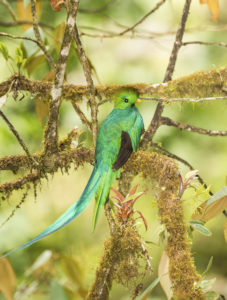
(126, 100)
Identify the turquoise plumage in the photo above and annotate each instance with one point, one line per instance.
(118, 136)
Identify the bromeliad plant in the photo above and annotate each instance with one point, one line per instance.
(125, 205)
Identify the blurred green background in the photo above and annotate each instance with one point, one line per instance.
(139, 57)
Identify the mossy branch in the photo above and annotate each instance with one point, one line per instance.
(200, 84)
(162, 170)
(62, 161)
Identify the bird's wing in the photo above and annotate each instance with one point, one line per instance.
(135, 132)
(124, 151)
(129, 142)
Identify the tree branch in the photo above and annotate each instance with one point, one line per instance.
(24, 22)
(91, 89)
(62, 161)
(107, 34)
(221, 44)
(38, 36)
(51, 133)
(143, 18)
(8, 6)
(188, 100)
(170, 122)
(204, 84)
(155, 123)
(32, 161)
(82, 116)
(180, 159)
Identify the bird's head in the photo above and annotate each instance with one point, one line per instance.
(125, 97)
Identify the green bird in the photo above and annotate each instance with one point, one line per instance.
(118, 136)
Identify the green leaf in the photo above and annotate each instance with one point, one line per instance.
(19, 58)
(197, 222)
(82, 138)
(208, 266)
(19, 52)
(211, 295)
(4, 50)
(200, 228)
(207, 284)
(57, 292)
(148, 290)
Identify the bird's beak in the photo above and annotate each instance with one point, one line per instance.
(138, 100)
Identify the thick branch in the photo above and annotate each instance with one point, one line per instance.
(63, 160)
(159, 168)
(202, 84)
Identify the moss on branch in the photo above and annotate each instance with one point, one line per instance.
(182, 271)
(162, 170)
(47, 165)
(200, 84)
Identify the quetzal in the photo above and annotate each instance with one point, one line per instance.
(118, 136)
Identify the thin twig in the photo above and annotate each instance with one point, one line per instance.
(90, 84)
(13, 130)
(38, 36)
(106, 34)
(178, 42)
(220, 44)
(169, 122)
(8, 6)
(21, 37)
(143, 18)
(168, 100)
(155, 123)
(24, 22)
(82, 116)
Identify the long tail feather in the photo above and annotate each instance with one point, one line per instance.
(102, 194)
(72, 212)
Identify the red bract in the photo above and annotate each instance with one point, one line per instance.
(125, 205)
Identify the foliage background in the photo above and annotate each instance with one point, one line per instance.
(116, 60)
